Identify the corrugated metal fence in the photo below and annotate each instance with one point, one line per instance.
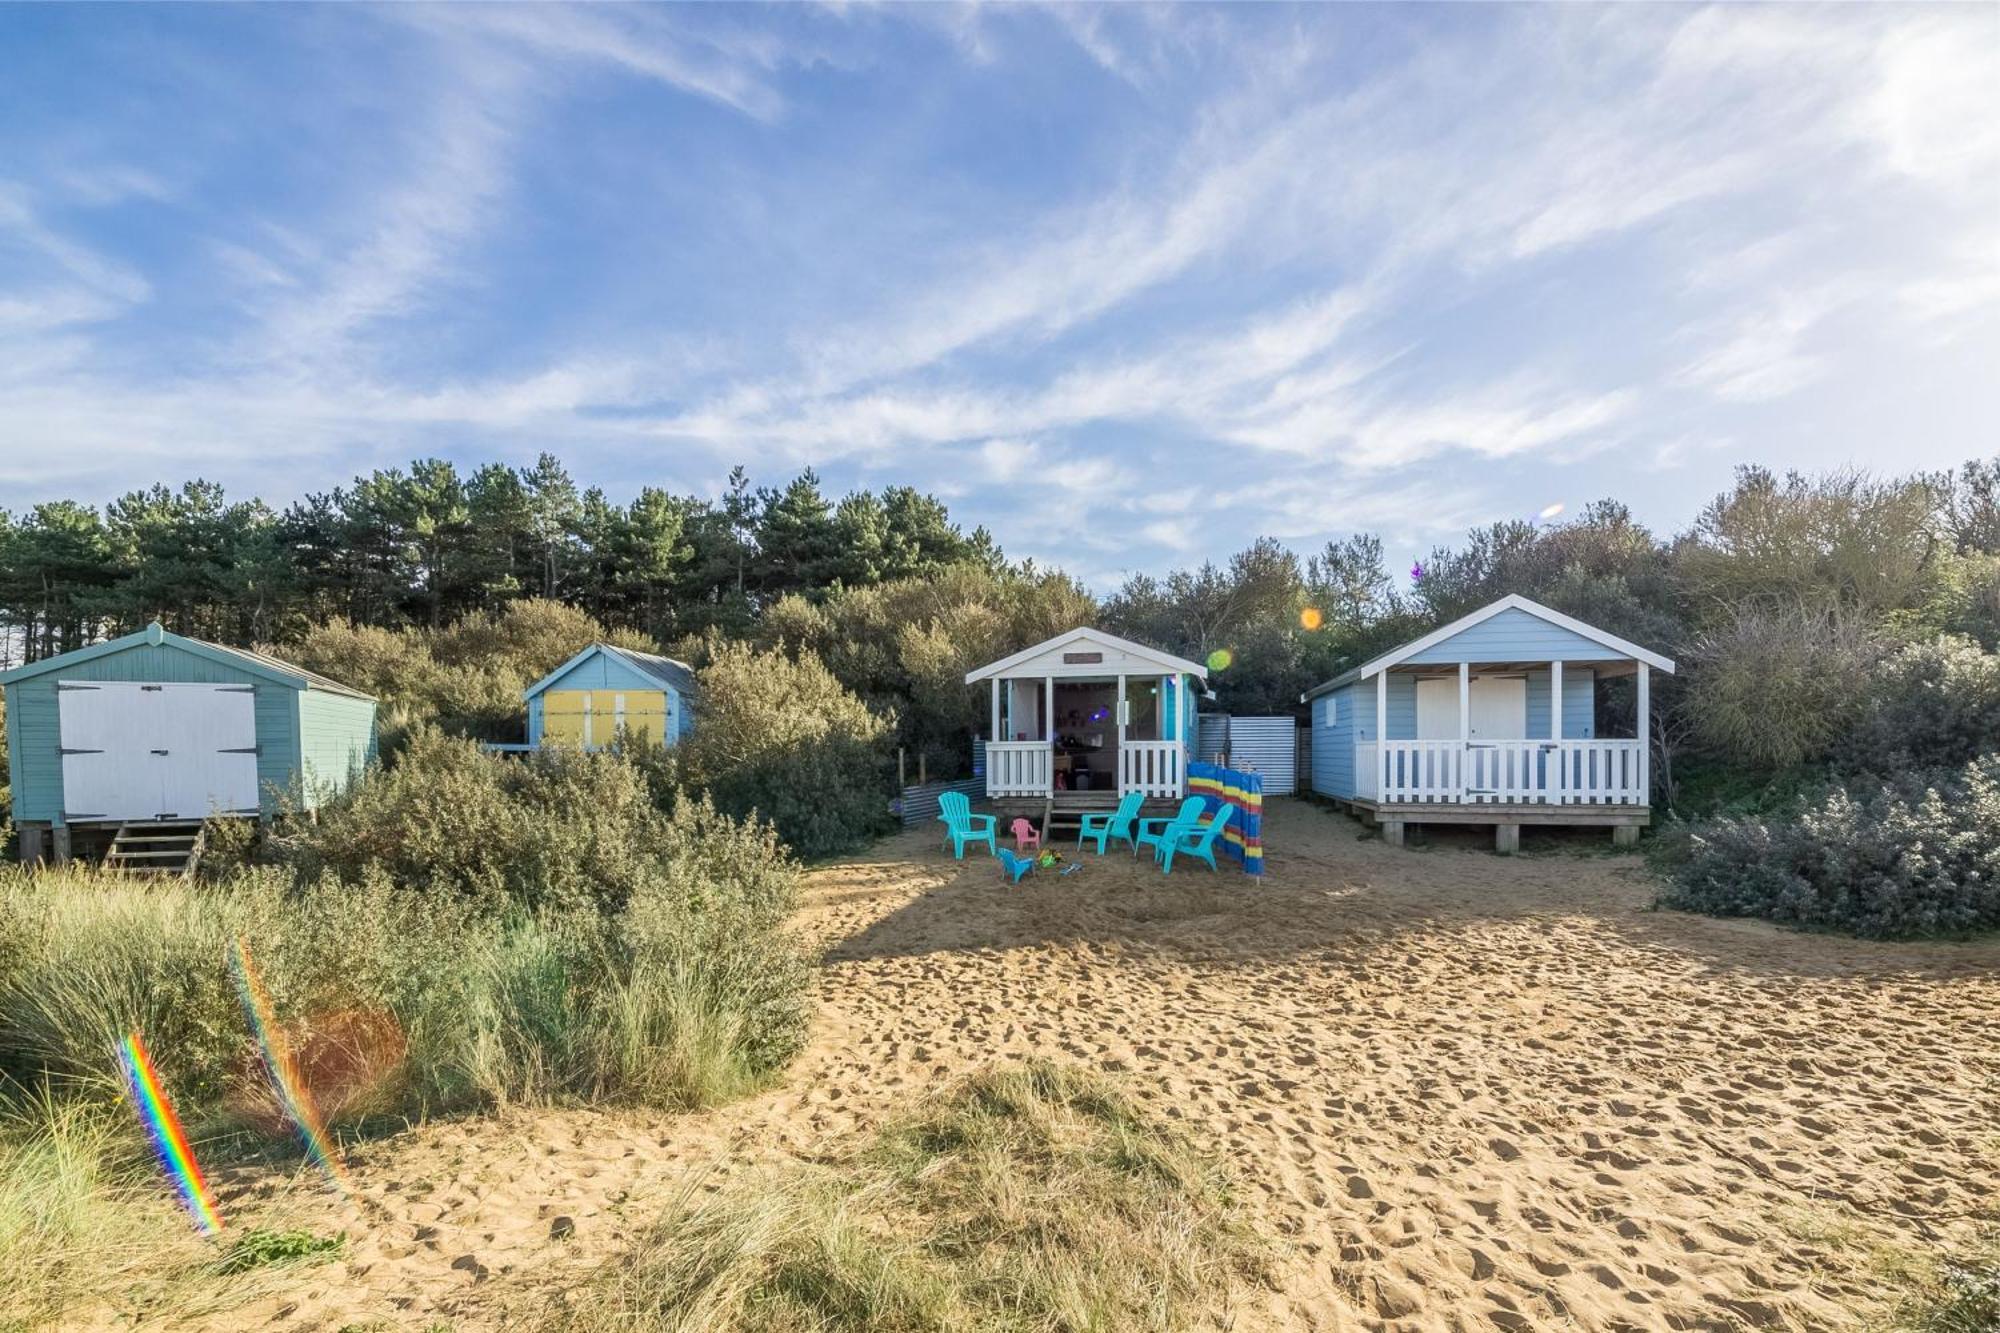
(1267, 746)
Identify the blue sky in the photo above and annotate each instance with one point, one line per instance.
(1129, 285)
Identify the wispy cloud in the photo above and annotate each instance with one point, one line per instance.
(1347, 269)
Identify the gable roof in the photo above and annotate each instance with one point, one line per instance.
(1511, 602)
(243, 659)
(669, 672)
(1084, 634)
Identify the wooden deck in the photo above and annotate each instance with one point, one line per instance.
(1507, 820)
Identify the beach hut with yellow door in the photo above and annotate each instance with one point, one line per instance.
(607, 694)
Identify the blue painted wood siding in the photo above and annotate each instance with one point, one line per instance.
(1351, 710)
(336, 744)
(1515, 636)
(603, 671)
(1333, 730)
(34, 722)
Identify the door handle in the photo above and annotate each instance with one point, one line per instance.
(159, 752)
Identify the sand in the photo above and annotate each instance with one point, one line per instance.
(1461, 1091)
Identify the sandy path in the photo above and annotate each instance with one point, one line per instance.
(1465, 1092)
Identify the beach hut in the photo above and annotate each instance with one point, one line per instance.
(606, 694)
(110, 742)
(1081, 719)
(1491, 719)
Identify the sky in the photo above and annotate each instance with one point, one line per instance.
(1128, 285)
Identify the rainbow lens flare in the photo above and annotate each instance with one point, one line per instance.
(1549, 512)
(1311, 618)
(164, 1128)
(283, 1069)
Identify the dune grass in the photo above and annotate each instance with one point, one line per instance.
(1028, 1197)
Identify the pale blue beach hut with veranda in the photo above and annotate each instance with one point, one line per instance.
(125, 747)
(1492, 719)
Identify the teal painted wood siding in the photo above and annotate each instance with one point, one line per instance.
(336, 744)
(336, 726)
(1515, 636)
(35, 740)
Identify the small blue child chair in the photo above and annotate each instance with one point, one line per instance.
(1014, 866)
(962, 826)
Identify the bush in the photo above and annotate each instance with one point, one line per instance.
(781, 739)
(1917, 857)
(1929, 705)
(1029, 1197)
(1773, 689)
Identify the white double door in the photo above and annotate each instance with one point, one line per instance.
(1498, 708)
(167, 751)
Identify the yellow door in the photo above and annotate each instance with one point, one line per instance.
(594, 719)
(566, 717)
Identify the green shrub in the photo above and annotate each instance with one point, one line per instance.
(780, 739)
(1918, 856)
(1934, 704)
(1773, 689)
(553, 830)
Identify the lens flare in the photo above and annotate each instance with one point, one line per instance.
(1311, 618)
(283, 1069)
(1417, 572)
(163, 1127)
(1220, 659)
(1549, 512)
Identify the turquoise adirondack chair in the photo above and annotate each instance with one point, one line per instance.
(1117, 824)
(1014, 866)
(1196, 841)
(1153, 832)
(962, 826)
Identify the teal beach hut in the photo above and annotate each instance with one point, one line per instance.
(154, 728)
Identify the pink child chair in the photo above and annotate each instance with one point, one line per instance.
(1025, 835)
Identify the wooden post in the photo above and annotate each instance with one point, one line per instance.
(61, 837)
(1464, 728)
(902, 774)
(1121, 733)
(1392, 832)
(1506, 839)
(1645, 734)
(31, 844)
(1556, 730)
(995, 734)
(1049, 709)
(1382, 744)
(923, 767)
(1624, 835)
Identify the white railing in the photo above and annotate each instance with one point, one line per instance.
(1020, 768)
(1501, 772)
(1601, 772)
(1152, 767)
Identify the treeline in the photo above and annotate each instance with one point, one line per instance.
(428, 545)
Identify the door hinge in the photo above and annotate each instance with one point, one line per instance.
(64, 749)
(152, 689)
(60, 687)
(160, 752)
(69, 818)
(236, 689)
(245, 749)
